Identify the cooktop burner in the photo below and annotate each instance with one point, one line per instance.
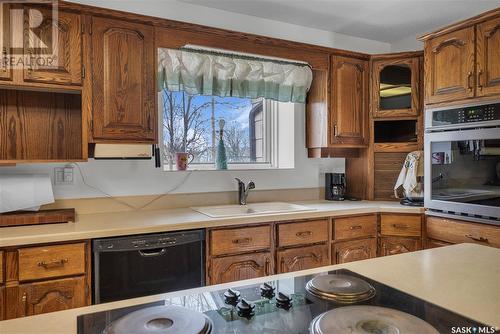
(344, 289)
(296, 305)
(161, 319)
(369, 319)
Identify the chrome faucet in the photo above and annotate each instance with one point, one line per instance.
(243, 191)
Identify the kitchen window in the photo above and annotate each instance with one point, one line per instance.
(258, 133)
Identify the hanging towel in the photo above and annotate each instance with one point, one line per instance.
(412, 168)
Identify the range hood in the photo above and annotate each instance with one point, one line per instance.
(123, 151)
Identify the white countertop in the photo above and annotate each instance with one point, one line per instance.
(90, 226)
(462, 278)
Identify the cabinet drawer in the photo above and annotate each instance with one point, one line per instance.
(456, 231)
(238, 240)
(1, 267)
(303, 258)
(401, 225)
(309, 232)
(355, 227)
(51, 261)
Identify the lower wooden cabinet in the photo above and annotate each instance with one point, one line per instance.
(239, 267)
(302, 258)
(398, 245)
(2, 303)
(49, 296)
(430, 243)
(354, 250)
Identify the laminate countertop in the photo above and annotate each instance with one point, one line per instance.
(90, 226)
(462, 278)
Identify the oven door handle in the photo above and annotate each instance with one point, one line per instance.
(153, 252)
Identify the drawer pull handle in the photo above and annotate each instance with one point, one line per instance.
(303, 234)
(53, 263)
(480, 239)
(24, 300)
(400, 226)
(355, 227)
(242, 241)
(469, 83)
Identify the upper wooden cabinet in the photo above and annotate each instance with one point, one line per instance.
(123, 81)
(395, 87)
(464, 62)
(349, 99)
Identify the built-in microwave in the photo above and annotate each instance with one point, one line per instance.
(462, 161)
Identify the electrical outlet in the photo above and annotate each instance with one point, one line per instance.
(63, 175)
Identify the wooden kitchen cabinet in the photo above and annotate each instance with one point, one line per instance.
(302, 258)
(5, 69)
(402, 225)
(355, 227)
(123, 81)
(240, 267)
(239, 240)
(64, 66)
(50, 296)
(449, 66)
(488, 57)
(354, 250)
(300, 233)
(398, 245)
(349, 101)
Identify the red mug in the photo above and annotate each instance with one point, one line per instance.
(181, 160)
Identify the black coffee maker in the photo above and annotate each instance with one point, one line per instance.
(335, 186)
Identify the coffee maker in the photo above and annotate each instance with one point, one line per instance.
(335, 186)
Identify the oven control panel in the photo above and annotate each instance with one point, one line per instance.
(484, 113)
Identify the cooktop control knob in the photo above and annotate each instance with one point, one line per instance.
(267, 291)
(231, 297)
(283, 301)
(245, 309)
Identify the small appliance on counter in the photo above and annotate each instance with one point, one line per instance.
(335, 186)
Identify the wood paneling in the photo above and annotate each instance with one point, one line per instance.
(355, 227)
(354, 250)
(449, 66)
(239, 267)
(302, 258)
(386, 170)
(57, 48)
(123, 94)
(398, 245)
(43, 262)
(349, 101)
(488, 58)
(19, 218)
(300, 233)
(401, 225)
(456, 231)
(5, 43)
(40, 126)
(239, 240)
(2, 270)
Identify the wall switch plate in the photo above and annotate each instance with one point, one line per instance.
(63, 175)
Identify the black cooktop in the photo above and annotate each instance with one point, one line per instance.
(273, 314)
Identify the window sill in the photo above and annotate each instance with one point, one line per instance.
(232, 167)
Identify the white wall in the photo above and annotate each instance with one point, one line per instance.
(122, 178)
(181, 11)
(407, 44)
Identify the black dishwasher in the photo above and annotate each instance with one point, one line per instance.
(134, 266)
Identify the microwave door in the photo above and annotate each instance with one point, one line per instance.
(461, 172)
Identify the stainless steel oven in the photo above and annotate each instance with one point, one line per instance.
(462, 161)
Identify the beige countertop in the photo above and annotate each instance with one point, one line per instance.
(462, 278)
(89, 226)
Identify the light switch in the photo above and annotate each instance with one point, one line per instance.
(63, 175)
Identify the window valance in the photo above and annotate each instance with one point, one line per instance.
(219, 74)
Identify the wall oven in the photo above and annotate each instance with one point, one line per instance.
(140, 265)
(462, 161)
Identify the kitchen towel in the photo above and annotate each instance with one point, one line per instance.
(412, 168)
(24, 192)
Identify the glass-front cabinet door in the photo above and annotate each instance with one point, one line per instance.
(395, 90)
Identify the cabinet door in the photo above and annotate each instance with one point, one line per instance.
(488, 58)
(303, 258)
(449, 66)
(235, 268)
(349, 101)
(2, 303)
(54, 47)
(123, 81)
(50, 296)
(395, 245)
(348, 251)
(5, 69)
(430, 243)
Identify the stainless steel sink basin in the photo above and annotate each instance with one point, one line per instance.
(250, 209)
